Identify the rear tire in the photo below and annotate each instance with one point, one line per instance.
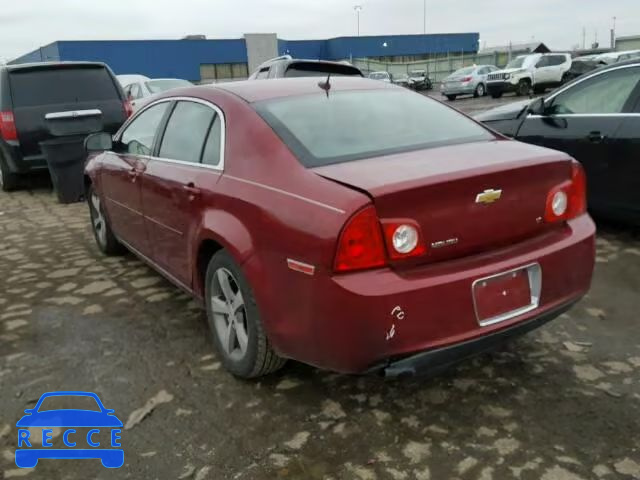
(9, 181)
(451, 98)
(105, 239)
(234, 320)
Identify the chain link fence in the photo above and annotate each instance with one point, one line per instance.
(440, 67)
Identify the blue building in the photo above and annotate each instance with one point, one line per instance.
(210, 59)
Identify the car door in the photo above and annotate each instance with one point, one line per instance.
(542, 71)
(622, 179)
(585, 120)
(186, 166)
(558, 65)
(120, 177)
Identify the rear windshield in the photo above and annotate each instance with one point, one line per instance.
(31, 88)
(157, 86)
(358, 124)
(464, 71)
(317, 69)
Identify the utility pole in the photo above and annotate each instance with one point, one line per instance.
(358, 9)
(613, 34)
(584, 37)
(424, 18)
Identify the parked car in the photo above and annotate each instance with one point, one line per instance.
(139, 88)
(615, 57)
(353, 232)
(381, 76)
(580, 67)
(526, 72)
(30, 91)
(467, 81)
(287, 66)
(419, 80)
(596, 119)
(402, 80)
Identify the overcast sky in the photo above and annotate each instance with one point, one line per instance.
(28, 24)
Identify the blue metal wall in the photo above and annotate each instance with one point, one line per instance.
(48, 53)
(157, 58)
(182, 58)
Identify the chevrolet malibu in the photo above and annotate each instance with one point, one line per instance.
(349, 224)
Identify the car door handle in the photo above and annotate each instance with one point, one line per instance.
(191, 189)
(596, 137)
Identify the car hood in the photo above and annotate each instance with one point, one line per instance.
(509, 70)
(510, 111)
(69, 418)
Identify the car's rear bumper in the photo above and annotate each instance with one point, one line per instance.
(18, 163)
(431, 361)
(459, 89)
(353, 322)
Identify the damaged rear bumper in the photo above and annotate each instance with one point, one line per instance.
(436, 360)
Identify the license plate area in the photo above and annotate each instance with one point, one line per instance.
(506, 295)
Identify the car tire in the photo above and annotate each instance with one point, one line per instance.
(451, 98)
(524, 87)
(9, 181)
(105, 239)
(566, 77)
(235, 322)
(496, 94)
(480, 91)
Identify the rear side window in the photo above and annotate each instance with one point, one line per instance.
(212, 148)
(359, 124)
(262, 74)
(556, 60)
(32, 88)
(318, 69)
(186, 131)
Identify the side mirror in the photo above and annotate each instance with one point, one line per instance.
(29, 410)
(109, 411)
(537, 107)
(98, 142)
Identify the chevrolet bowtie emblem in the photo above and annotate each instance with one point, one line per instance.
(489, 196)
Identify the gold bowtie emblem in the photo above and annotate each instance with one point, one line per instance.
(489, 196)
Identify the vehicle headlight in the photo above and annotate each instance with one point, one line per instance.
(507, 76)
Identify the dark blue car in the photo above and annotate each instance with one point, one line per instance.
(100, 418)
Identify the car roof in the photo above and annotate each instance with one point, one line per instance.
(51, 65)
(256, 91)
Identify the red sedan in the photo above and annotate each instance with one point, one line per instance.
(350, 224)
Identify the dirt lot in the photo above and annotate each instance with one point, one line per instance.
(562, 403)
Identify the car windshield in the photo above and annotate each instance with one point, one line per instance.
(416, 73)
(69, 402)
(464, 71)
(351, 125)
(378, 76)
(157, 86)
(516, 62)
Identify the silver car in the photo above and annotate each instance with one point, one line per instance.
(467, 81)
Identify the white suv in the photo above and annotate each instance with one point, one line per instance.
(538, 71)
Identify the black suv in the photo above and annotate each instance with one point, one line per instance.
(30, 91)
(286, 67)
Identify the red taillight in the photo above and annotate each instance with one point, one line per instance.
(467, 79)
(360, 245)
(569, 199)
(128, 108)
(404, 238)
(8, 126)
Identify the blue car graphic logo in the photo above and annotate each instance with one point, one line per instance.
(99, 423)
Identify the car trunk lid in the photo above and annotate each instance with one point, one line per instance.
(467, 199)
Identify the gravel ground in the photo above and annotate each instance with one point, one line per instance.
(562, 403)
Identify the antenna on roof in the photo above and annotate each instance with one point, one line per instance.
(326, 85)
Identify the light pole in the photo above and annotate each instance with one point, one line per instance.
(424, 18)
(358, 9)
